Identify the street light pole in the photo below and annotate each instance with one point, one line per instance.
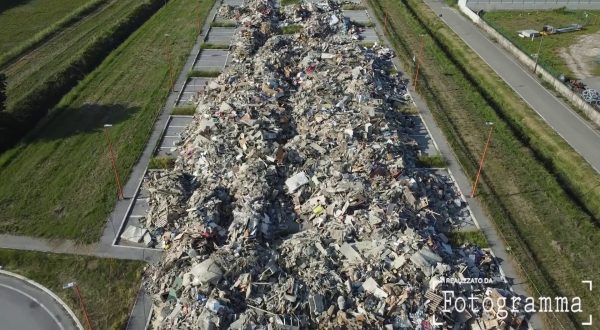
(170, 61)
(113, 162)
(487, 143)
(538, 54)
(76, 287)
(418, 61)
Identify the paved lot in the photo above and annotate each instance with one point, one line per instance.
(369, 35)
(220, 35)
(212, 59)
(233, 2)
(359, 16)
(574, 130)
(191, 90)
(140, 207)
(24, 306)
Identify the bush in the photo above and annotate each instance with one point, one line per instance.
(161, 163)
(223, 24)
(475, 237)
(290, 2)
(351, 6)
(204, 73)
(186, 110)
(291, 29)
(436, 161)
(32, 107)
(208, 45)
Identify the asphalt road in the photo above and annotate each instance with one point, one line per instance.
(24, 306)
(569, 125)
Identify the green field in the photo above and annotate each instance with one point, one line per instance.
(108, 286)
(57, 53)
(531, 175)
(21, 20)
(59, 183)
(508, 23)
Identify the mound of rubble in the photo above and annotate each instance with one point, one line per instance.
(295, 202)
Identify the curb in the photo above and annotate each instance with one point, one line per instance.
(48, 292)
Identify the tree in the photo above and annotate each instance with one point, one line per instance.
(2, 91)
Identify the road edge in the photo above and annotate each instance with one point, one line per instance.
(48, 292)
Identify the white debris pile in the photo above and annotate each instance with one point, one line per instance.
(295, 202)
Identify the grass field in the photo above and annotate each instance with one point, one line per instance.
(509, 23)
(54, 55)
(59, 183)
(21, 20)
(108, 286)
(550, 234)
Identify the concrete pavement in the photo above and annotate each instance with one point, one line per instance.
(580, 135)
(26, 306)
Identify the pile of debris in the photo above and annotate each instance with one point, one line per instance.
(295, 202)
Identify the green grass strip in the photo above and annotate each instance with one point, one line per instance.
(108, 286)
(47, 33)
(60, 184)
(204, 73)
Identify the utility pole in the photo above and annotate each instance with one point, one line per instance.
(81, 303)
(537, 58)
(385, 22)
(487, 143)
(418, 62)
(170, 61)
(113, 162)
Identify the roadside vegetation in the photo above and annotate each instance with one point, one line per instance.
(204, 73)
(58, 182)
(434, 161)
(37, 82)
(291, 29)
(542, 196)
(108, 286)
(472, 237)
(226, 23)
(184, 110)
(161, 163)
(208, 45)
(22, 21)
(508, 23)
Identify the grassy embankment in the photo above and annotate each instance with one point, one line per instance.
(22, 21)
(59, 183)
(52, 57)
(535, 187)
(108, 286)
(508, 23)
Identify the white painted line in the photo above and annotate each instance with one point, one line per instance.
(528, 75)
(37, 302)
(47, 291)
(137, 216)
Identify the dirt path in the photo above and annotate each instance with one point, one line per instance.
(583, 57)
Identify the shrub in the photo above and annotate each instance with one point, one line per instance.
(161, 163)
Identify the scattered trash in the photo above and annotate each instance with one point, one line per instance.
(295, 202)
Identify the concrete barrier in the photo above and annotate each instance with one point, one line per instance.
(562, 89)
